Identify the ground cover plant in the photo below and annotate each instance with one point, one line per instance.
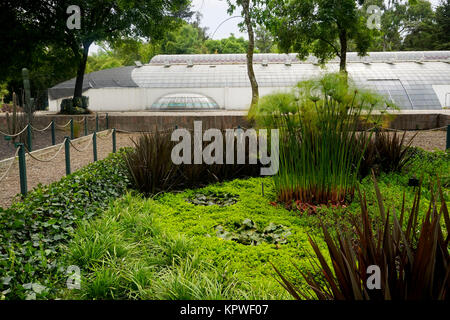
(164, 247)
(33, 230)
(319, 144)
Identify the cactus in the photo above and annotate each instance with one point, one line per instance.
(17, 121)
(26, 86)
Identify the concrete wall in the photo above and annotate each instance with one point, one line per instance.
(149, 121)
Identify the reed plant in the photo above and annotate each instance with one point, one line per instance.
(319, 147)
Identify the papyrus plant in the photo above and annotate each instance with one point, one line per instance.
(318, 122)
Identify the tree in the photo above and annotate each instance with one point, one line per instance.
(443, 25)
(227, 45)
(324, 28)
(263, 40)
(249, 21)
(185, 40)
(101, 20)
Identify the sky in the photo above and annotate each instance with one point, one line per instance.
(214, 13)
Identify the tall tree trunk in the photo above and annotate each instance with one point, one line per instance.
(343, 53)
(78, 92)
(250, 50)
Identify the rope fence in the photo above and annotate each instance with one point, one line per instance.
(22, 151)
(29, 128)
(10, 165)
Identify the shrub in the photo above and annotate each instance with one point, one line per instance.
(319, 154)
(33, 230)
(151, 167)
(75, 105)
(384, 151)
(414, 262)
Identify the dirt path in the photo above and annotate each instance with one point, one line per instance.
(45, 173)
(48, 172)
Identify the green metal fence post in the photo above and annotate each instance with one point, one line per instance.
(71, 129)
(114, 141)
(22, 169)
(96, 122)
(67, 154)
(94, 143)
(29, 138)
(447, 146)
(53, 132)
(85, 126)
(107, 121)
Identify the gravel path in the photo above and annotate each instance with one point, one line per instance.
(45, 173)
(48, 172)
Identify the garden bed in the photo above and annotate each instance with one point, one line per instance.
(167, 247)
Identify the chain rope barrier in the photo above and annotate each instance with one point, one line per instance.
(82, 149)
(10, 165)
(15, 135)
(41, 130)
(105, 136)
(62, 127)
(45, 160)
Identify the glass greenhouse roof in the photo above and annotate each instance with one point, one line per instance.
(407, 78)
(292, 58)
(185, 101)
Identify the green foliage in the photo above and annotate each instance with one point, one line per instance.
(33, 231)
(75, 105)
(411, 25)
(321, 27)
(319, 154)
(413, 262)
(211, 199)
(128, 254)
(227, 45)
(167, 248)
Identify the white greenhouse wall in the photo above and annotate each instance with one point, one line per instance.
(139, 99)
(443, 94)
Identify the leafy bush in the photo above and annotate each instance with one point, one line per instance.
(319, 154)
(413, 265)
(75, 105)
(33, 230)
(152, 169)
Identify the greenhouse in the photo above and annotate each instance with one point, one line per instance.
(412, 80)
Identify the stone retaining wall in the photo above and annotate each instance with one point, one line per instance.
(149, 121)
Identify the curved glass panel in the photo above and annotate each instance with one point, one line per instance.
(181, 101)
